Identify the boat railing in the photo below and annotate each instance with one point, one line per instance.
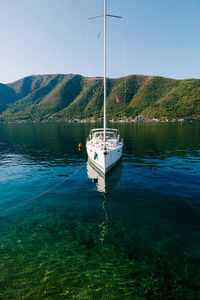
(107, 129)
(92, 134)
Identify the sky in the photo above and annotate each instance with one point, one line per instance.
(154, 37)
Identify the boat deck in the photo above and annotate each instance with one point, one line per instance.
(99, 144)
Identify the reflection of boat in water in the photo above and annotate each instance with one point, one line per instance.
(104, 183)
(96, 178)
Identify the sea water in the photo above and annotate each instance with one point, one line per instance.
(66, 232)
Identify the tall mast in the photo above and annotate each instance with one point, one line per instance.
(105, 21)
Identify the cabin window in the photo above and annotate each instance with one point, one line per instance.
(110, 135)
(98, 135)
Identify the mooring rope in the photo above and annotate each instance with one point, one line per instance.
(192, 205)
(42, 194)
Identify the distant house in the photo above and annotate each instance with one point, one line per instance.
(138, 119)
(156, 120)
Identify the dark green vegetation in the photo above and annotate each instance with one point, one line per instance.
(62, 97)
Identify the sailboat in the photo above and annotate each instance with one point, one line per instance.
(104, 145)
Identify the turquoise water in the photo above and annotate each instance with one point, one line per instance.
(135, 236)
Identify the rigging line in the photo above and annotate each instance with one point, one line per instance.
(91, 48)
(42, 194)
(87, 46)
(190, 204)
(124, 61)
(85, 82)
(89, 60)
(100, 93)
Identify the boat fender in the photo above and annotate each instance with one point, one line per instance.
(80, 147)
(95, 155)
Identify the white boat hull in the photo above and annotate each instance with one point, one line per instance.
(103, 160)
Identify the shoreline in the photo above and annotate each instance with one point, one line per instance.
(90, 121)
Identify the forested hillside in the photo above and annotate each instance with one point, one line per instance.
(64, 97)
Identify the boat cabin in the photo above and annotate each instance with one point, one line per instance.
(98, 134)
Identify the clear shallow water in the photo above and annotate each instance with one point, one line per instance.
(139, 240)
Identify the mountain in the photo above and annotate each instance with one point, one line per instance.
(7, 96)
(69, 96)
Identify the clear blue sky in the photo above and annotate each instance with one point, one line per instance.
(155, 37)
